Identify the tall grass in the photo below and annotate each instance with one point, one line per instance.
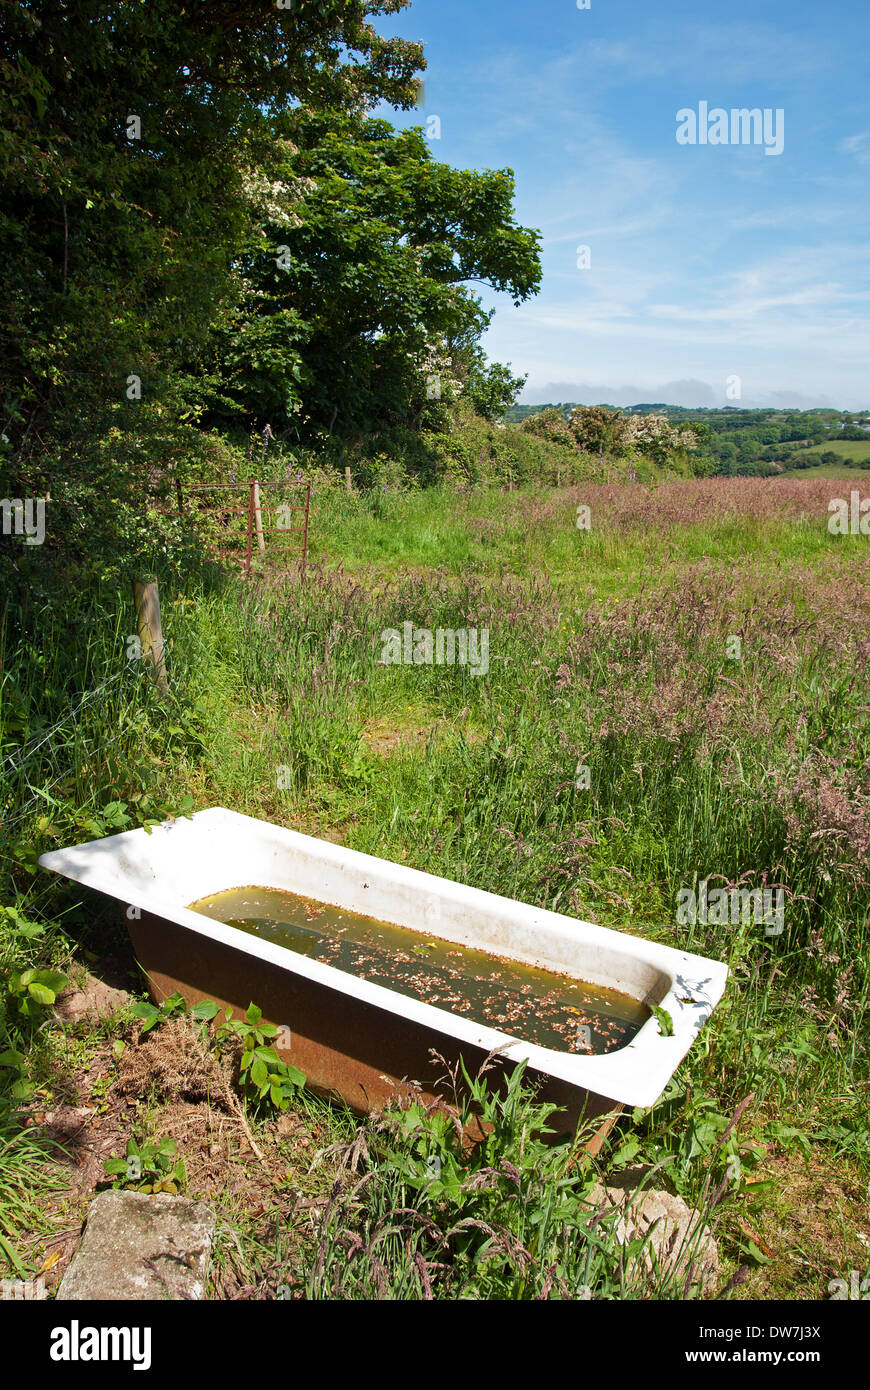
(421, 1211)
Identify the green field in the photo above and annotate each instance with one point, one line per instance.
(849, 448)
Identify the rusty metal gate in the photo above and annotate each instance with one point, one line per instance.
(238, 530)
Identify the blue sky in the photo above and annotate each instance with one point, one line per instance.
(707, 262)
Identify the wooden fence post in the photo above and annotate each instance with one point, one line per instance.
(147, 600)
(258, 517)
(305, 528)
(251, 486)
(348, 486)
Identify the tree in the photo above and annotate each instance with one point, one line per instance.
(491, 388)
(374, 277)
(598, 429)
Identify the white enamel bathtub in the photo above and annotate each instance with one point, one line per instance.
(349, 1034)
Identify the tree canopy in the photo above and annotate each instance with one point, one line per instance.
(131, 137)
(205, 228)
(355, 293)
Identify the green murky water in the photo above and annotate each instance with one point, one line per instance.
(534, 1005)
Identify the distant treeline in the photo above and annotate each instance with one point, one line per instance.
(748, 442)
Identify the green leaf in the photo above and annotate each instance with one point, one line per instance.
(665, 1021)
(144, 1010)
(259, 1071)
(751, 1249)
(52, 979)
(626, 1152)
(42, 994)
(11, 1058)
(31, 930)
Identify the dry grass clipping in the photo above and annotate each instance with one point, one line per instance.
(174, 1063)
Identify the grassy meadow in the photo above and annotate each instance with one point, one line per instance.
(701, 650)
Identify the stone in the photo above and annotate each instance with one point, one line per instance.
(677, 1241)
(138, 1245)
(90, 999)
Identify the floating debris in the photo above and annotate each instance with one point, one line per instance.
(537, 1006)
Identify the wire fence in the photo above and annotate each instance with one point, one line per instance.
(12, 764)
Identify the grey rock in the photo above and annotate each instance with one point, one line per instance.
(141, 1246)
(678, 1243)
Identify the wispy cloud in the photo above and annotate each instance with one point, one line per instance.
(734, 51)
(858, 146)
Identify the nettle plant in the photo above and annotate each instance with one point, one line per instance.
(172, 1007)
(263, 1077)
(24, 999)
(149, 1167)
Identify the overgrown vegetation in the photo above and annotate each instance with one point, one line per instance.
(419, 1210)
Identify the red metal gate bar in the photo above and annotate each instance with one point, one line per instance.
(249, 510)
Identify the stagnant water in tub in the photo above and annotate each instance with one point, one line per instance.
(535, 1005)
